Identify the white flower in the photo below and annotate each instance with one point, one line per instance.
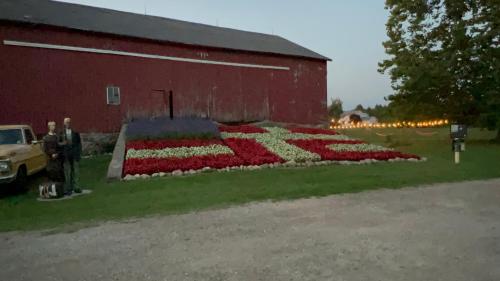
(285, 150)
(226, 135)
(277, 130)
(284, 134)
(301, 136)
(359, 147)
(179, 152)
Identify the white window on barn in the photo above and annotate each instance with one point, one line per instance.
(113, 95)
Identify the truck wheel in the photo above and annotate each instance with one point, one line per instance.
(21, 178)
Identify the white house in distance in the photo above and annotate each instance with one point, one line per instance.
(345, 118)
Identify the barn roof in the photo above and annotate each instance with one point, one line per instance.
(102, 20)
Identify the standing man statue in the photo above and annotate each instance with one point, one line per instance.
(72, 151)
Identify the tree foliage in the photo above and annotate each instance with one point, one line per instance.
(359, 107)
(444, 59)
(335, 108)
(384, 113)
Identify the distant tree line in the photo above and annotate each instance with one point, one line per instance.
(384, 113)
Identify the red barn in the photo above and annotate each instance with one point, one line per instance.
(102, 66)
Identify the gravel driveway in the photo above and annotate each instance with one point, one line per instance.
(441, 232)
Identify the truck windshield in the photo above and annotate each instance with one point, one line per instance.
(11, 136)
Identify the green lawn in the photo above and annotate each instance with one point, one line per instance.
(118, 200)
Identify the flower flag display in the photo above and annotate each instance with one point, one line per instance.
(251, 147)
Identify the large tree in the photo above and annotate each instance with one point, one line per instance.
(444, 59)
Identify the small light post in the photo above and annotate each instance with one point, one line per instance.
(458, 132)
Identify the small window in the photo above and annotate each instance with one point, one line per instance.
(113, 95)
(28, 135)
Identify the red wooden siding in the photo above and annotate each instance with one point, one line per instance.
(37, 84)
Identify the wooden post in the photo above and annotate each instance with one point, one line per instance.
(171, 104)
(457, 157)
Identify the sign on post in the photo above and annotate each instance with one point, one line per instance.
(458, 132)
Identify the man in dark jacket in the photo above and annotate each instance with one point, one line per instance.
(72, 151)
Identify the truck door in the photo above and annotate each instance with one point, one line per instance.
(36, 159)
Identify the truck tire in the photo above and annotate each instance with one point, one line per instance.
(21, 178)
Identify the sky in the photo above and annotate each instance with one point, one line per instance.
(350, 32)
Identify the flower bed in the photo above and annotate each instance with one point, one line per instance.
(246, 129)
(312, 131)
(282, 133)
(285, 150)
(249, 147)
(179, 152)
(165, 128)
(349, 150)
(149, 166)
(251, 152)
(361, 147)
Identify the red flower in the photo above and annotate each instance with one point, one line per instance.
(246, 129)
(155, 165)
(311, 131)
(252, 152)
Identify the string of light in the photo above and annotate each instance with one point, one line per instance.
(399, 124)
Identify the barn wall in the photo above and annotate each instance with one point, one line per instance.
(37, 85)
